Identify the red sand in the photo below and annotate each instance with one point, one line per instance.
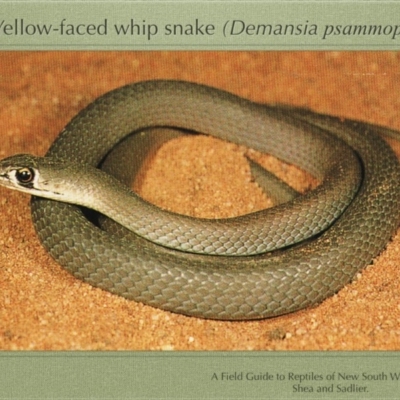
(42, 307)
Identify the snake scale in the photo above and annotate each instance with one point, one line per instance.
(220, 269)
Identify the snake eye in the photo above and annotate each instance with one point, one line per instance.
(25, 175)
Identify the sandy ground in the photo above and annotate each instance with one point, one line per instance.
(42, 307)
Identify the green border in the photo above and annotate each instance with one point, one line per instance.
(199, 375)
(204, 375)
(144, 25)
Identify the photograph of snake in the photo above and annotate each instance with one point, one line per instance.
(250, 269)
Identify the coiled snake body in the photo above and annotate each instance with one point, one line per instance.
(215, 269)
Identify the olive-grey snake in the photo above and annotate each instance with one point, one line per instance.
(231, 280)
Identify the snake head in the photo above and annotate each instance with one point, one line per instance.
(19, 172)
(55, 179)
(25, 173)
